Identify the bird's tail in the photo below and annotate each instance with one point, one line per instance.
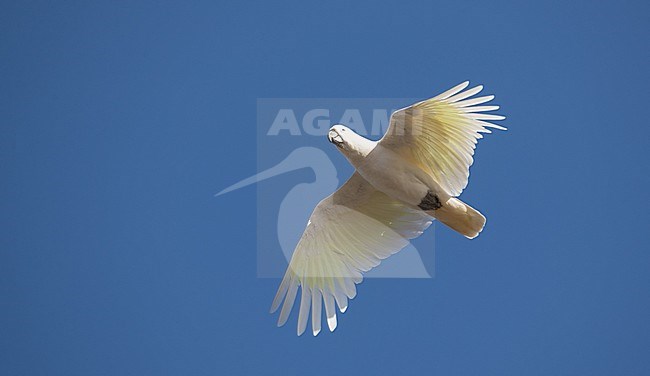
(460, 217)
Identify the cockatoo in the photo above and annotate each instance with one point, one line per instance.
(412, 175)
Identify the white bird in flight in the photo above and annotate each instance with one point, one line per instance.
(412, 175)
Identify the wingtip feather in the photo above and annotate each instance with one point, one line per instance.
(454, 90)
(331, 322)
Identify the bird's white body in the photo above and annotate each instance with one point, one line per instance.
(392, 174)
(403, 181)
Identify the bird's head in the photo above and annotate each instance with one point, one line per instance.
(339, 135)
(349, 142)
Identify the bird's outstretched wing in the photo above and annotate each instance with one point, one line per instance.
(439, 134)
(348, 233)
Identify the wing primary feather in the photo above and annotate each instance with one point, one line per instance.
(305, 303)
(451, 91)
(288, 303)
(316, 309)
(330, 311)
(282, 290)
(341, 298)
(353, 292)
(490, 125)
(474, 101)
(465, 94)
(481, 116)
(480, 108)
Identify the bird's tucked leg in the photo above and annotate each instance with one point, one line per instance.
(430, 202)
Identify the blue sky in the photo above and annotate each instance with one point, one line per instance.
(120, 120)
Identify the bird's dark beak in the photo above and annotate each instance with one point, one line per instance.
(335, 138)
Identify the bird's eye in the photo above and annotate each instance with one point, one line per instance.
(343, 130)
